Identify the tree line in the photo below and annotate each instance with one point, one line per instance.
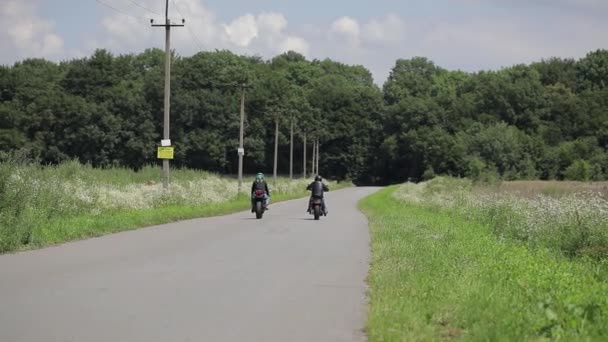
(546, 120)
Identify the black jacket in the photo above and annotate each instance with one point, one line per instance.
(260, 185)
(317, 188)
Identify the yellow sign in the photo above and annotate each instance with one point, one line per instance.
(165, 152)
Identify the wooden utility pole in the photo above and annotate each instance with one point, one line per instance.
(304, 164)
(167, 25)
(276, 149)
(241, 150)
(291, 151)
(314, 157)
(317, 162)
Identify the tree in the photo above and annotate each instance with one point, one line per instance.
(592, 71)
(555, 71)
(411, 77)
(548, 119)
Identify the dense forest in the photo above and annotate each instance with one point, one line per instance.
(547, 120)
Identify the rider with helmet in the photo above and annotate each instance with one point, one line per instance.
(260, 184)
(317, 188)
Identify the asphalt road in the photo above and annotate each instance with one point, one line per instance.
(231, 278)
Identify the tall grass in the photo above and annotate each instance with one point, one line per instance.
(32, 197)
(572, 220)
(438, 275)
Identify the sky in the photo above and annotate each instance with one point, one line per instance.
(468, 35)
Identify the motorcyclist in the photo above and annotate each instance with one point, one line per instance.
(317, 188)
(260, 184)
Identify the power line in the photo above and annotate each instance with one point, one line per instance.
(196, 39)
(120, 11)
(126, 13)
(177, 8)
(144, 7)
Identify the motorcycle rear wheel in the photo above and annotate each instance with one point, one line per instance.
(259, 211)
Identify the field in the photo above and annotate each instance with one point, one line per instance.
(53, 204)
(510, 261)
(555, 189)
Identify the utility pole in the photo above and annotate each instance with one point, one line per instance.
(304, 173)
(167, 25)
(276, 149)
(241, 150)
(291, 151)
(318, 151)
(314, 151)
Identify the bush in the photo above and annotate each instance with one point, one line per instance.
(428, 174)
(579, 170)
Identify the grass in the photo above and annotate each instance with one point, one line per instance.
(556, 189)
(571, 219)
(40, 206)
(438, 275)
(92, 225)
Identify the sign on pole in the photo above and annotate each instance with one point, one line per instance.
(165, 152)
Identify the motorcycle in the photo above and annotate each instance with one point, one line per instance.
(316, 208)
(259, 203)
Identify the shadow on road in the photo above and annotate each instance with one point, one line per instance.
(291, 218)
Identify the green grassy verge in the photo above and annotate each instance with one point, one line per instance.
(437, 276)
(64, 229)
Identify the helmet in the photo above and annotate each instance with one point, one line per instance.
(319, 178)
(259, 176)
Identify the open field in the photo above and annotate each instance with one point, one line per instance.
(47, 205)
(547, 188)
(450, 261)
(571, 217)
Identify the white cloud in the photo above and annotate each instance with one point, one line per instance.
(387, 30)
(200, 20)
(345, 29)
(498, 42)
(296, 44)
(123, 31)
(482, 34)
(28, 34)
(242, 30)
(555, 4)
(52, 45)
(262, 34)
(271, 23)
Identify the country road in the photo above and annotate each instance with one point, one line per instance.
(231, 278)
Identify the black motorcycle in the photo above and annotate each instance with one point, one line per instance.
(316, 207)
(259, 203)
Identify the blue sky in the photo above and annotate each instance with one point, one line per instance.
(456, 34)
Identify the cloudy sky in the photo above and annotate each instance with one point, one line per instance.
(456, 34)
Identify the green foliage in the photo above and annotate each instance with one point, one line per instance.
(428, 174)
(592, 71)
(410, 78)
(580, 170)
(521, 122)
(574, 223)
(438, 276)
(40, 205)
(554, 71)
(479, 171)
